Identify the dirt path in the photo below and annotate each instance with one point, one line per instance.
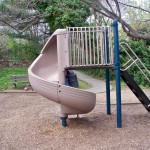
(97, 85)
(30, 122)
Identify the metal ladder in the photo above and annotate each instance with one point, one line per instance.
(134, 60)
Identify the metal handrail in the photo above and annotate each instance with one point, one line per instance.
(134, 60)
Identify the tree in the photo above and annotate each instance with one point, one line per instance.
(21, 15)
(64, 13)
(17, 15)
(115, 9)
(19, 22)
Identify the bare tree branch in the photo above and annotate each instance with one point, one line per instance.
(26, 23)
(101, 7)
(110, 6)
(118, 8)
(134, 7)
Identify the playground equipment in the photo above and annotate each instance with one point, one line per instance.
(131, 83)
(77, 48)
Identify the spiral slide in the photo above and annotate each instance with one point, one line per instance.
(46, 76)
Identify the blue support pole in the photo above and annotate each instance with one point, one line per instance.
(117, 71)
(107, 74)
(108, 92)
(64, 121)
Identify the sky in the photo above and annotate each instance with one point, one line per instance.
(140, 1)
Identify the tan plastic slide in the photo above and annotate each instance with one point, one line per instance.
(46, 75)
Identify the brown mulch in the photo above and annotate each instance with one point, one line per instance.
(30, 122)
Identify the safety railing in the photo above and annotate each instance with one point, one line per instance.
(134, 60)
(90, 46)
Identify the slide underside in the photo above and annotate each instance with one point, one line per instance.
(44, 78)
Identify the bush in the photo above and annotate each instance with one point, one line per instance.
(21, 49)
(142, 50)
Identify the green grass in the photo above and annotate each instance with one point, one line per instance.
(5, 74)
(83, 85)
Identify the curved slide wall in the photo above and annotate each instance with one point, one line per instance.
(47, 78)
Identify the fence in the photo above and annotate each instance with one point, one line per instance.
(90, 46)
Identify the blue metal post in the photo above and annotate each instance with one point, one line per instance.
(64, 121)
(108, 92)
(117, 71)
(107, 73)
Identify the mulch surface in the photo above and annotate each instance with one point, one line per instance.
(30, 122)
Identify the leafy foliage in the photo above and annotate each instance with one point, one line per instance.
(142, 50)
(20, 48)
(64, 13)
